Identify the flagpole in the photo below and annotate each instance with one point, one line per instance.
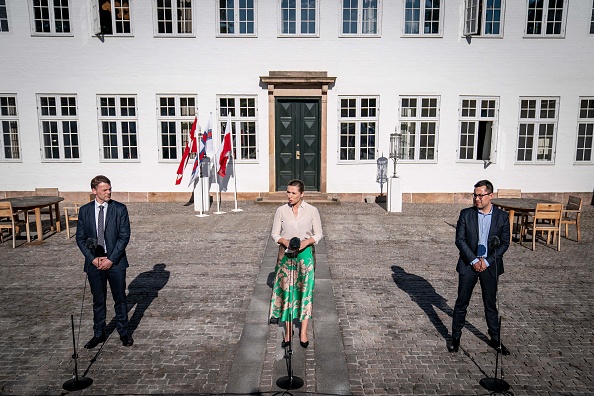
(218, 185)
(235, 180)
(200, 179)
(202, 214)
(218, 201)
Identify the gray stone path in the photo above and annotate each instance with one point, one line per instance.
(196, 284)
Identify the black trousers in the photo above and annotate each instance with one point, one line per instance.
(98, 280)
(466, 284)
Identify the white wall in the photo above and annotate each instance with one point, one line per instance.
(389, 66)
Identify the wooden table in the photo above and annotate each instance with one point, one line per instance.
(36, 203)
(513, 205)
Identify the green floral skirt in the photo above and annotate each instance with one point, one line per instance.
(293, 288)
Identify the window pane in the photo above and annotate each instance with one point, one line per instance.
(10, 140)
(467, 136)
(308, 16)
(61, 16)
(545, 142)
(349, 16)
(554, 16)
(121, 10)
(493, 17)
(164, 16)
(535, 16)
(525, 142)
(431, 17)
(347, 141)
(3, 17)
(184, 16)
(412, 16)
(408, 130)
(369, 17)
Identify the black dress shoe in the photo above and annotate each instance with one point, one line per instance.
(455, 345)
(285, 344)
(93, 342)
(495, 345)
(126, 340)
(304, 344)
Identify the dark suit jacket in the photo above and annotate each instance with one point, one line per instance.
(467, 239)
(117, 233)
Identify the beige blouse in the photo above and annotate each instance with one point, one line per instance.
(306, 225)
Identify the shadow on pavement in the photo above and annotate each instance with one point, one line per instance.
(424, 294)
(141, 293)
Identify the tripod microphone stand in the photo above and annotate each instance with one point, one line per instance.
(76, 383)
(290, 381)
(496, 385)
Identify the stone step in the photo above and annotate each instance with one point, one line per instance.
(280, 197)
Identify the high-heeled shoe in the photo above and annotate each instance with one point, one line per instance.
(304, 344)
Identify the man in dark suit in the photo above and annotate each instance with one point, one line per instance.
(480, 260)
(102, 234)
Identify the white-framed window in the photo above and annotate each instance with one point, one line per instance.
(484, 18)
(419, 123)
(592, 20)
(58, 127)
(546, 18)
(423, 17)
(585, 132)
(359, 124)
(244, 116)
(3, 16)
(298, 18)
(237, 18)
(9, 127)
(478, 126)
(118, 122)
(361, 18)
(537, 130)
(50, 17)
(173, 18)
(175, 117)
(113, 17)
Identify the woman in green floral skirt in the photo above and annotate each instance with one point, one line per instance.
(292, 293)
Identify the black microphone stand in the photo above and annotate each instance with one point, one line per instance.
(496, 385)
(290, 381)
(76, 383)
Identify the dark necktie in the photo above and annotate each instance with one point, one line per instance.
(101, 228)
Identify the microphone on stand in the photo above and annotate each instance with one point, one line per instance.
(494, 241)
(97, 249)
(496, 385)
(290, 381)
(91, 243)
(294, 245)
(77, 382)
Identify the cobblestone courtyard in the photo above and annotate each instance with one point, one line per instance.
(191, 281)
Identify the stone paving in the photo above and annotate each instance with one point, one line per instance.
(191, 281)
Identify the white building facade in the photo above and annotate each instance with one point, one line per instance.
(479, 89)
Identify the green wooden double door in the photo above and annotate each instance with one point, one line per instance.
(297, 154)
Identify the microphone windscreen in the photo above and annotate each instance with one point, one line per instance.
(295, 243)
(91, 243)
(494, 241)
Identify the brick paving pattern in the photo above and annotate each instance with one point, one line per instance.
(394, 283)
